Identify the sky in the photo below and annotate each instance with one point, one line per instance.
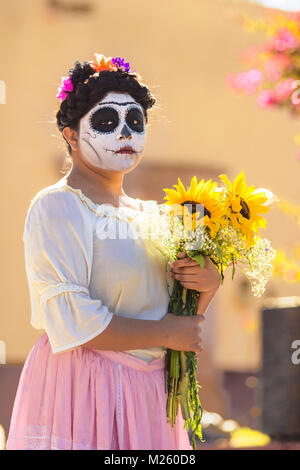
(287, 5)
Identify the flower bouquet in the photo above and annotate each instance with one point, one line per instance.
(222, 223)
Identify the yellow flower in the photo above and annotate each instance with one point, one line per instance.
(247, 437)
(290, 209)
(286, 268)
(244, 206)
(204, 193)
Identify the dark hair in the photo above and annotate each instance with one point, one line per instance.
(89, 89)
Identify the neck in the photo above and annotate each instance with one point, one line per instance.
(98, 181)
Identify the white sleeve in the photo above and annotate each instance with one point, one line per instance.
(58, 239)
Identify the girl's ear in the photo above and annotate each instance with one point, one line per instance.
(71, 136)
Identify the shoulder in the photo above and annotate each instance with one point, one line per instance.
(54, 204)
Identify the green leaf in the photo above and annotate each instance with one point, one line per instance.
(233, 268)
(219, 252)
(200, 259)
(222, 273)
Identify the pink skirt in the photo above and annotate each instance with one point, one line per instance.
(89, 400)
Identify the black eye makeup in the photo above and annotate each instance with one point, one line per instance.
(104, 120)
(135, 120)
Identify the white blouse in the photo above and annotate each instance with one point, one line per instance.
(82, 269)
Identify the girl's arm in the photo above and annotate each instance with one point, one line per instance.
(175, 332)
(129, 333)
(179, 333)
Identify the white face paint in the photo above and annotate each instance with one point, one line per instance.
(117, 121)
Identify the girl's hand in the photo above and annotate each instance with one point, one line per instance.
(192, 276)
(182, 333)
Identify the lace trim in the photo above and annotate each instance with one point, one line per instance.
(58, 288)
(109, 210)
(106, 209)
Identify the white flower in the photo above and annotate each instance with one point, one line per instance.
(271, 196)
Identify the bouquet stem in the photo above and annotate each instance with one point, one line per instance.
(180, 369)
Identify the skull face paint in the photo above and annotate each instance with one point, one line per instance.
(110, 129)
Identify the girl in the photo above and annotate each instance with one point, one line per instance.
(95, 378)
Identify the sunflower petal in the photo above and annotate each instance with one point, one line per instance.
(239, 183)
(236, 205)
(181, 189)
(225, 180)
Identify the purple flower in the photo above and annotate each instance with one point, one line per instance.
(120, 63)
(65, 88)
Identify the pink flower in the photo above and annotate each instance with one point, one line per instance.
(65, 88)
(266, 99)
(285, 40)
(283, 89)
(248, 82)
(275, 66)
(268, 47)
(250, 55)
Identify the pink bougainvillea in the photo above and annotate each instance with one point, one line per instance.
(274, 66)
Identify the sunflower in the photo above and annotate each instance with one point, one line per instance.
(244, 206)
(204, 193)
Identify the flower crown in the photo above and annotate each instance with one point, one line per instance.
(99, 63)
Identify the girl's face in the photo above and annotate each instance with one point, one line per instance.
(112, 134)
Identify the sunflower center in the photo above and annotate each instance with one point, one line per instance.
(206, 212)
(245, 211)
(194, 206)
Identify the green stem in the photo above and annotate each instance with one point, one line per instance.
(184, 387)
(181, 369)
(174, 409)
(174, 375)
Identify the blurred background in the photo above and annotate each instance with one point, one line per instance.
(185, 52)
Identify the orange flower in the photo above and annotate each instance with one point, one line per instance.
(101, 62)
